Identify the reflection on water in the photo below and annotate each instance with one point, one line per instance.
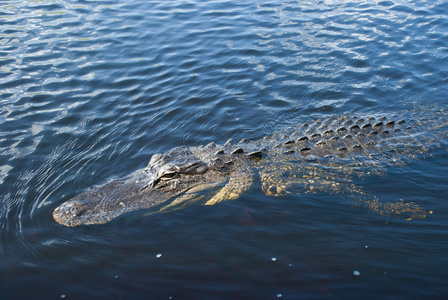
(91, 89)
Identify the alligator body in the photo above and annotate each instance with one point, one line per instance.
(319, 156)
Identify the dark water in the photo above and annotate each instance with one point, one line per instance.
(89, 90)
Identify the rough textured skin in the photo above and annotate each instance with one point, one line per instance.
(320, 156)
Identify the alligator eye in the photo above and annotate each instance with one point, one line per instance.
(168, 175)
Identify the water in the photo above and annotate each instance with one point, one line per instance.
(89, 90)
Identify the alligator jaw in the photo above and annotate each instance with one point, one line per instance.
(102, 205)
(165, 178)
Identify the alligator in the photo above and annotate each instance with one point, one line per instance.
(320, 156)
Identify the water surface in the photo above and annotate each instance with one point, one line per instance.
(89, 90)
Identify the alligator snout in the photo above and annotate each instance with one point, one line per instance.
(67, 212)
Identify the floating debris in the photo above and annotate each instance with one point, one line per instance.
(356, 273)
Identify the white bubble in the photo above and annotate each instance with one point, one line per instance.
(356, 273)
(279, 295)
(63, 296)
(274, 259)
(159, 255)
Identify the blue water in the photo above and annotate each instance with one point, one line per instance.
(89, 90)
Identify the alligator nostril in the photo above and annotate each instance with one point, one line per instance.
(74, 211)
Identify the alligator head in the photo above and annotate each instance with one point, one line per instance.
(166, 176)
